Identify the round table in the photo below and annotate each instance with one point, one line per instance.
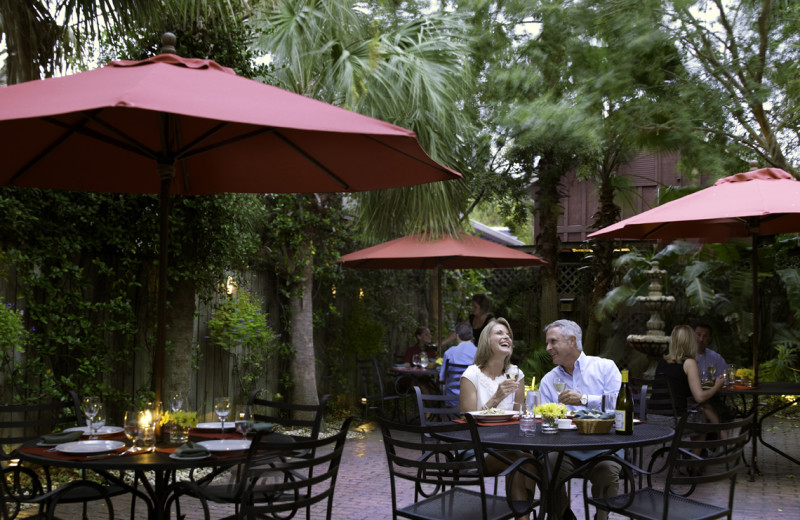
(507, 437)
(158, 462)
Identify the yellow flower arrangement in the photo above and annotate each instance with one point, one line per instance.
(551, 410)
(181, 418)
(742, 373)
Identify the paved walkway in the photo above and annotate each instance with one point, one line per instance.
(363, 492)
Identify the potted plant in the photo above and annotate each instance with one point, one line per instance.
(551, 413)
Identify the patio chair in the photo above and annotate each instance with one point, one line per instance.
(447, 485)
(451, 384)
(21, 423)
(679, 470)
(277, 486)
(374, 395)
(289, 415)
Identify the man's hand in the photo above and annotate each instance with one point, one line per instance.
(570, 397)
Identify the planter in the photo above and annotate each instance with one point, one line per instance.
(549, 424)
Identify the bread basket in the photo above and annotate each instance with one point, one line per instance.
(594, 425)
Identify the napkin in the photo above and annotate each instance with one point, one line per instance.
(191, 450)
(263, 427)
(58, 438)
(593, 414)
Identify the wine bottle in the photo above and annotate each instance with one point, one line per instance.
(623, 415)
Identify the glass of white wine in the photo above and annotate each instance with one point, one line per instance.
(712, 369)
(559, 385)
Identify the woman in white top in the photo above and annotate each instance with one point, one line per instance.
(486, 385)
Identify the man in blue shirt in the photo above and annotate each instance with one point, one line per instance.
(587, 379)
(461, 354)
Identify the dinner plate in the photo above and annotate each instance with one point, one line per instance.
(197, 457)
(507, 415)
(224, 445)
(89, 447)
(229, 425)
(103, 430)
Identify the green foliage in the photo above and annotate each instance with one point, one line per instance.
(363, 335)
(239, 326)
(13, 335)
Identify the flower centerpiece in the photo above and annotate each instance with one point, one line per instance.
(179, 423)
(551, 413)
(745, 375)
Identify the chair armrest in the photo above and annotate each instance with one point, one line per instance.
(523, 466)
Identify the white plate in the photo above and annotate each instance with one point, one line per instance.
(199, 457)
(89, 447)
(493, 417)
(224, 445)
(570, 427)
(229, 425)
(103, 430)
(636, 421)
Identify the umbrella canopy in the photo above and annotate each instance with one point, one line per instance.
(749, 204)
(419, 251)
(171, 125)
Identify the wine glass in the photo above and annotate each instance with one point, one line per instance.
(156, 409)
(415, 360)
(244, 422)
(222, 407)
(423, 360)
(98, 421)
(712, 369)
(130, 425)
(176, 401)
(90, 405)
(559, 385)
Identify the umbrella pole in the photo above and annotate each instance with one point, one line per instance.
(754, 303)
(441, 306)
(166, 172)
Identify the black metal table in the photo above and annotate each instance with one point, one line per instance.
(507, 437)
(405, 378)
(158, 462)
(764, 388)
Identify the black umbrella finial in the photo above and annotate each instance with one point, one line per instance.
(168, 42)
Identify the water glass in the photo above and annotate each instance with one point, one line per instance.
(610, 402)
(415, 360)
(536, 400)
(244, 422)
(130, 424)
(731, 374)
(527, 426)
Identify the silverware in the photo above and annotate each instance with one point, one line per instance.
(132, 449)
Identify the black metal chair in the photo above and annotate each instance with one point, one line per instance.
(451, 384)
(289, 415)
(447, 485)
(374, 395)
(272, 483)
(21, 423)
(678, 469)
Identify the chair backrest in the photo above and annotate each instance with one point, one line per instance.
(289, 415)
(371, 378)
(20, 423)
(287, 484)
(451, 384)
(721, 446)
(434, 408)
(658, 398)
(639, 392)
(433, 466)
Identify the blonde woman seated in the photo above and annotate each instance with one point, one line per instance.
(485, 385)
(679, 368)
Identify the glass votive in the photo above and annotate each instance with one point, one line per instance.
(527, 426)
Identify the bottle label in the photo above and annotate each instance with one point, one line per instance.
(619, 420)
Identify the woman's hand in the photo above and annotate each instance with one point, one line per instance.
(504, 389)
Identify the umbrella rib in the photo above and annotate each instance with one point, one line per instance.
(132, 145)
(417, 159)
(41, 155)
(313, 161)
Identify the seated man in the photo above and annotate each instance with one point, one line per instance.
(461, 354)
(587, 379)
(706, 358)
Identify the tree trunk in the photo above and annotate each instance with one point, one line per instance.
(180, 337)
(304, 389)
(548, 203)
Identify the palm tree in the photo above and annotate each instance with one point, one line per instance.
(391, 65)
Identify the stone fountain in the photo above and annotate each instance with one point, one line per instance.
(655, 343)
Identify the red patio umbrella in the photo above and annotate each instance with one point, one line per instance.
(749, 204)
(420, 251)
(171, 125)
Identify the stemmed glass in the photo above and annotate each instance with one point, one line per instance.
(98, 421)
(90, 406)
(222, 407)
(244, 422)
(559, 385)
(423, 360)
(176, 401)
(130, 425)
(712, 369)
(415, 360)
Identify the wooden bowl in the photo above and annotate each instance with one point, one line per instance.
(594, 425)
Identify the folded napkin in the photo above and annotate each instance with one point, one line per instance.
(593, 414)
(263, 427)
(58, 438)
(191, 450)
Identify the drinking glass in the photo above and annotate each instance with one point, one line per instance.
(415, 360)
(98, 421)
(130, 424)
(90, 405)
(610, 402)
(222, 407)
(559, 385)
(176, 401)
(423, 360)
(712, 369)
(527, 426)
(244, 422)
(731, 374)
(156, 409)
